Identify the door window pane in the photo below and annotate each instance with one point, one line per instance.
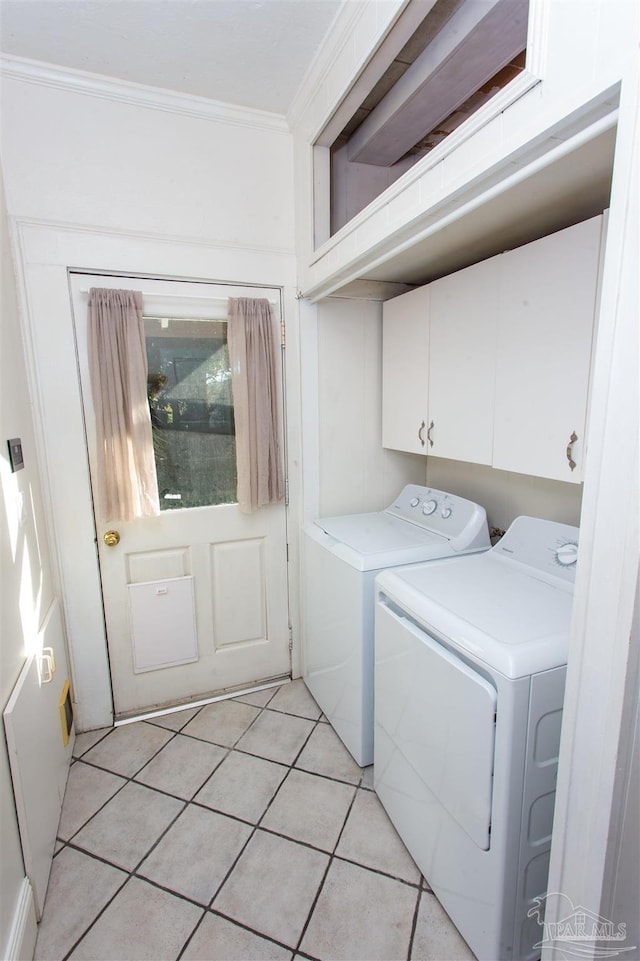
(191, 404)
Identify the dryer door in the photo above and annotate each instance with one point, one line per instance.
(440, 716)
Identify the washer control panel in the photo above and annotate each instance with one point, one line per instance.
(441, 513)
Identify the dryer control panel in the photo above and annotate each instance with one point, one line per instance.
(546, 546)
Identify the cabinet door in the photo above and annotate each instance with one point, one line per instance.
(545, 330)
(462, 344)
(405, 371)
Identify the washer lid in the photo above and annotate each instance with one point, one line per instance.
(378, 533)
(371, 542)
(496, 610)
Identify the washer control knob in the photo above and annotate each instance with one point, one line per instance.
(429, 507)
(414, 502)
(567, 554)
(446, 512)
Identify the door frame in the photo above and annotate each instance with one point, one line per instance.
(47, 256)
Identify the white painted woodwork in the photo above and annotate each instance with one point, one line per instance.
(505, 356)
(480, 39)
(23, 931)
(559, 107)
(236, 562)
(38, 757)
(545, 328)
(405, 371)
(462, 359)
(163, 624)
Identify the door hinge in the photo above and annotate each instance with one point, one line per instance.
(290, 638)
(286, 492)
(283, 334)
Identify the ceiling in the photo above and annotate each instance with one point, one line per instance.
(251, 53)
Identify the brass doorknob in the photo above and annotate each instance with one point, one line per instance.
(111, 538)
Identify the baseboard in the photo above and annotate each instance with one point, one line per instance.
(24, 929)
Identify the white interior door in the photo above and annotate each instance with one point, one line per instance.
(195, 600)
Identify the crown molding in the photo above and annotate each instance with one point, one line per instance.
(139, 95)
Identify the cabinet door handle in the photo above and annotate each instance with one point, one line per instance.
(572, 440)
(421, 432)
(429, 438)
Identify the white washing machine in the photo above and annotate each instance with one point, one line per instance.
(341, 557)
(469, 684)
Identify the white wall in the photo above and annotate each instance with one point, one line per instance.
(356, 473)
(505, 495)
(106, 159)
(27, 582)
(104, 179)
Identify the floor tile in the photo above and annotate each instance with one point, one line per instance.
(222, 722)
(370, 839)
(310, 808)
(324, 753)
(360, 915)
(367, 778)
(128, 748)
(257, 698)
(294, 698)
(218, 939)
(142, 923)
(187, 848)
(125, 829)
(79, 888)
(84, 742)
(243, 786)
(196, 853)
(175, 720)
(435, 936)
(273, 886)
(277, 737)
(182, 766)
(88, 788)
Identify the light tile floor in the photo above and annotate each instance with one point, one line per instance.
(239, 831)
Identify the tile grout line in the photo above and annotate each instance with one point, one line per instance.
(326, 872)
(209, 908)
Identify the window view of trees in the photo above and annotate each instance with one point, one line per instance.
(191, 405)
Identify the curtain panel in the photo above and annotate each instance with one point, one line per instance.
(253, 358)
(127, 483)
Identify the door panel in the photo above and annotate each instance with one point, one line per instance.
(235, 562)
(239, 563)
(438, 715)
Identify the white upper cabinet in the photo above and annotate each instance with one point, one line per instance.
(548, 296)
(462, 357)
(405, 371)
(491, 365)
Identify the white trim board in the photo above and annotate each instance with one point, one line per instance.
(24, 929)
(136, 94)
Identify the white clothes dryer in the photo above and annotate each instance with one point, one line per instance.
(469, 684)
(341, 557)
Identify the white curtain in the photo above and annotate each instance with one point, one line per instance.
(127, 483)
(253, 358)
